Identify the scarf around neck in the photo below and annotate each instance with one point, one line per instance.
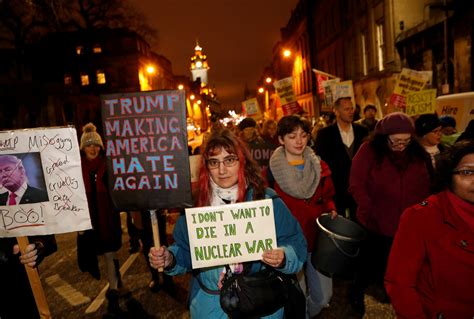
(293, 181)
(222, 196)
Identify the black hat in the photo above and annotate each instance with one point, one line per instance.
(426, 123)
(247, 122)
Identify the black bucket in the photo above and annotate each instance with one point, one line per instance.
(337, 245)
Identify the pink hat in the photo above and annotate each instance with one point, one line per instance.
(395, 123)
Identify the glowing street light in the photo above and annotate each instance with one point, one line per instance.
(180, 87)
(261, 90)
(268, 80)
(286, 53)
(150, 69)
(192, 97)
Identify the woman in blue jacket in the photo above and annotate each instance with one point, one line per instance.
(229, 175)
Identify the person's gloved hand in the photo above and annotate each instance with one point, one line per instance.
(33, 255)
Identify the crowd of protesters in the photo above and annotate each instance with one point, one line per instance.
(409, 182)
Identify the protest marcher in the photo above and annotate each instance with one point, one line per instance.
(304, 183)
(16, 288)
(450, 133)
(389, 173)
(13, 178)
(105, 237)
(229, 175)
(368, 121)
(428, 130)
(431, 266)
(337, 144)
(468, 133)
(268, 134)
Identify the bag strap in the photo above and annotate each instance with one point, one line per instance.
(201, 284)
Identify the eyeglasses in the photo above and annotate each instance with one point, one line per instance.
(228, 161)
(464, 172)
(399, 142)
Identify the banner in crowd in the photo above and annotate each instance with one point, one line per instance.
(252, 109)
(261, 151)
(460, 106)
(344, 89)
(329, 87)
(286, 94)
(409, 81)
(228, 234)
(48, 163)
(422, 102)
(147, 149)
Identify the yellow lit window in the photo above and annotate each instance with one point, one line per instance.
(84, 79)
(67, 79)
(79, 50)
(97, 49)
(100, 77)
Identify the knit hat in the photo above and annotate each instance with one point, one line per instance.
(90, 136)
(426, 123)
(247, 122)
(447, 120)
(395, 123)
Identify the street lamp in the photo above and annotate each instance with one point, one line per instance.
(150, 69)
(286, 53)
(268, 80)
(180, 87)
(261, 90)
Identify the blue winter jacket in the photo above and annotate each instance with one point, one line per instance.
(207, 306)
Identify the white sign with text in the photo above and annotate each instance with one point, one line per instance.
(228, 234)
(52, 198)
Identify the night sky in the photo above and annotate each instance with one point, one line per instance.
(236, 35)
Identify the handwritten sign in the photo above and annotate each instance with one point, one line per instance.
(147, 149)
(54, 200)
(234, 233)
(344, 89)
(252, 108)
(423, 102)
(329, 87)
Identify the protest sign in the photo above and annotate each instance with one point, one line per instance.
(422, 102)
(252, 109)
(54, 200)
(330, 91)
(286, 94)
(234, 233)
(261, 151)
(147, 149)
(344, 89)
(460, 106)
(408, 81)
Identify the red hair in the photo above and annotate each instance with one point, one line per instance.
(248, 174)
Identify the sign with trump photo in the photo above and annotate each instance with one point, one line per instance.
(41, 186)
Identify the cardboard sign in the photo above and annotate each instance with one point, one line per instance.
(423, 102)
(330, 91)
(147, 149)
(344, 89)
(284, 90)
(460, 106)
(234, 233)
(54, 200)
(252, 109)
(408, 81)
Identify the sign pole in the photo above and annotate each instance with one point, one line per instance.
(35, 283)
(156, 231)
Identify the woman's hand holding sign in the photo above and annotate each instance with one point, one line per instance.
(161, 258)
(274, 257)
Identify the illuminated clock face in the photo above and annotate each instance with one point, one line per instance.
(198, 64)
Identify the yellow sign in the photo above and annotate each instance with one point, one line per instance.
(421, 102)
(252, 108)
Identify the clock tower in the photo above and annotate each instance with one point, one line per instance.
(199, 65)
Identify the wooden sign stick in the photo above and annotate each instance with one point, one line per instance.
(156, 231)
(35, 283)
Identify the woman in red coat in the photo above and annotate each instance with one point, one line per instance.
(389, 173)
(304, 183)
(105, 236)
(430, 271)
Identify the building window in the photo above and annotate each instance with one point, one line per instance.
(84, 79)
(100, 76)
(79, 50)
(67, 79)
(364, 53)
(97, 49)
(380, 45)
